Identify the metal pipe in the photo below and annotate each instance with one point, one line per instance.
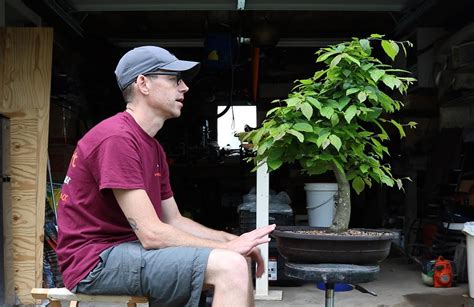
(329, 295)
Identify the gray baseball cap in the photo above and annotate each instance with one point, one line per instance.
(147, 59)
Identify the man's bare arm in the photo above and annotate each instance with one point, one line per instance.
(154, 233)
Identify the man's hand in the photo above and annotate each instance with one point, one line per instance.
(245, 244)
(256, 255)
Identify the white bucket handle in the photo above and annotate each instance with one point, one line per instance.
(320, 205)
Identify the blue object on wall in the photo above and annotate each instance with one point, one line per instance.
(220, 49)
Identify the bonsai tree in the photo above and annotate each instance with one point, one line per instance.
(336, 119)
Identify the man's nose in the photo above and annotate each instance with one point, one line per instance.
(183, 87)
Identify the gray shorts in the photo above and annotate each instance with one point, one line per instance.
(172, 276)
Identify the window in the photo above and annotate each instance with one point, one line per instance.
(243, 115)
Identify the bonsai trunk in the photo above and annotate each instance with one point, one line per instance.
(342, 216)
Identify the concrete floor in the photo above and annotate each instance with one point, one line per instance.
(399, 284)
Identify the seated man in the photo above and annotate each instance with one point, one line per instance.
(120, 230)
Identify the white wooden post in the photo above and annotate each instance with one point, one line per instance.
(261, 284)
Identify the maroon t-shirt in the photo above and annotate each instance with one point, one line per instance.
(115, 154)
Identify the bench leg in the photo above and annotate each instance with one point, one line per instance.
(55, 303)
(131, 305)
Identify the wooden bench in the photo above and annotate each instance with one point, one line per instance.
(56, 295)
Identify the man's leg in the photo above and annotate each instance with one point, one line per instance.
(170, 277)
(228, 271)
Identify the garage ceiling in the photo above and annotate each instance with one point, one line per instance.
(297, 23)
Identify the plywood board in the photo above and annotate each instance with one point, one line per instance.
(25, 78)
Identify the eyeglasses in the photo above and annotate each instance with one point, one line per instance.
(177, 74)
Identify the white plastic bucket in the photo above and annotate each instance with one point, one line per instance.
(320, 203)
(469, 232)
(470, 263)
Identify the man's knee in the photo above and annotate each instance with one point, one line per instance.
(226, 265)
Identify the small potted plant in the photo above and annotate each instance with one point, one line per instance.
(335, 121)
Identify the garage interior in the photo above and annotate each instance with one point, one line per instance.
(251, 53)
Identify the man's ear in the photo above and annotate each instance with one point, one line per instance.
(142, 84)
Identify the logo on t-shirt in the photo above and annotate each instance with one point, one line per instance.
(73, 159)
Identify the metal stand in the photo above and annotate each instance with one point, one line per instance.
(332, 273)
(329, 295)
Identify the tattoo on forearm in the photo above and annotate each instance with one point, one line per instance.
(133, 223)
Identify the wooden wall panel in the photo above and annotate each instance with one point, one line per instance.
(8, 271)
(25, 92)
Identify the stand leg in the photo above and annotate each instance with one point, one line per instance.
(329, 294)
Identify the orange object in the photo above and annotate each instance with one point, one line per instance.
(443, 273)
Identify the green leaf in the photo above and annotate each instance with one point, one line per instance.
(387, 180)
(299, 135)
(334, 119)
(376, 35)
(376, 74)
(362, 96)
(368, 182)
(326, 55)
(404, 50)
(399, 184)
(358, 184)
(391, 81)
(272, 111)
(350, 113)
(332, 103)
(311, 138)
(351, 59)
(364, 168)
(274, 164)
(365, 44)
(275, 153)
(386, 102)
(293, 101)
(391, 48)
(306, 81)
(307, 110)
(371, 114)
(412, 124)
(305, 127)
(336, 60)
(342, 103)
(399, 127)
(258, 135)
(326, 143)
(327, 112)
(262, 148)
(319, 74)
(367, 66)
(352, 91)
(322, 138)
(335, 141)
(314, 102)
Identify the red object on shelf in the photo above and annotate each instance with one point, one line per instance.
(255, 72)
(429, 231)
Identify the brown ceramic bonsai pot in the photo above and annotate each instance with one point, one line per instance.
(300, 244)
